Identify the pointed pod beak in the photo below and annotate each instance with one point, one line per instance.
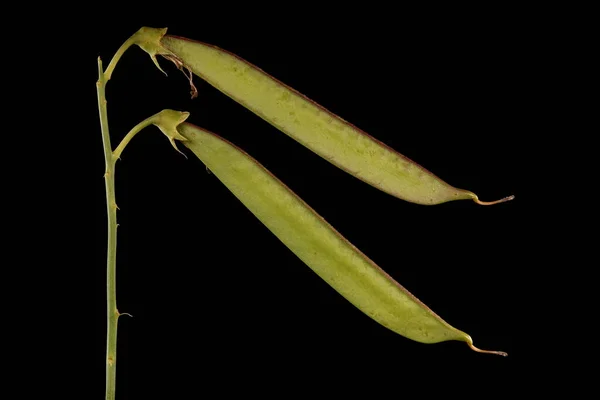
(184, 116)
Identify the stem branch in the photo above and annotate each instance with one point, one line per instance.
(119, 150)
(117, 57)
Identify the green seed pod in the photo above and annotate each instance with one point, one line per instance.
(326, 134)
(345, 268)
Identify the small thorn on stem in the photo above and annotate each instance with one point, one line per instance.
(129, 315)
(490, 203)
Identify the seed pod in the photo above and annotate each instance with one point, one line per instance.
(345, 268)
(326, 134)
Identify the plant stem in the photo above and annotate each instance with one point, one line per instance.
(136, 129)
(111, 206)
(167, 121)
(116, 58)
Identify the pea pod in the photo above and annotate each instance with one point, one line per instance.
(345, 268)
(323, 132)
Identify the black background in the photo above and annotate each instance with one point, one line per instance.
(219, 304)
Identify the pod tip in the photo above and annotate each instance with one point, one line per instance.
(499, 353)
(489, 203)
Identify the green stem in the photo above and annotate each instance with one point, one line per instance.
(117, 57)
(148, 121)
(111, 257)
(167, 121)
